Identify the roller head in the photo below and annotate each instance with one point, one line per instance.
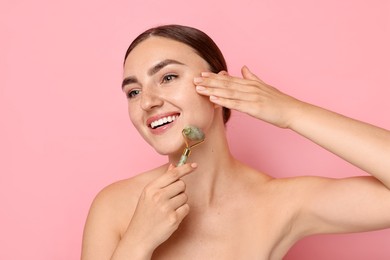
(193, 136)
(193, 133)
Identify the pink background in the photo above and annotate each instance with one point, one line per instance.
(65, 133)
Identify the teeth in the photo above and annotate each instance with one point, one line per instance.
(163, 120)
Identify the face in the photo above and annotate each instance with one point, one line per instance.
(158, 83)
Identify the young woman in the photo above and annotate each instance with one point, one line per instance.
(215, 207)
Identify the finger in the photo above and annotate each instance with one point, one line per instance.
(239, 105)
(207, 77)
(174, 189)
(182, 212)
(247, 74)
(232, 94)
(178, 201)
(225, 88)
(174, 174)
(227, 82)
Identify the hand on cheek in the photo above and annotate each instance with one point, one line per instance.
(249, 95)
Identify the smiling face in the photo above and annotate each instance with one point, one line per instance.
(158, 83)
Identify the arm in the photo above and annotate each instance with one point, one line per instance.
(100, 237)
(154, 216)
(364, 145)
(324, 205)
(102, 233)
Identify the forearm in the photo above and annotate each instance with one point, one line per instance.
(364, 145)
(128, 249)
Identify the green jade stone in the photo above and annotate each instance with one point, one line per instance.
(193, 133)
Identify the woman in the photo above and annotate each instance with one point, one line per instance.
(215, 207)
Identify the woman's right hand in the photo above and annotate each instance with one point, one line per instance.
(161, 208)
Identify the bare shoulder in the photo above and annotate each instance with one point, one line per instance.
(110, 213)
(266, 185)
(271, 187)
(299, 185)
(296, 192)
(123, 195)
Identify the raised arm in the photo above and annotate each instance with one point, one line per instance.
(324, 205)
(364, 145)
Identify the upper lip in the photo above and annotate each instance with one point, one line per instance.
(159, 116)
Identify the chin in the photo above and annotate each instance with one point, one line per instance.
(169, 149)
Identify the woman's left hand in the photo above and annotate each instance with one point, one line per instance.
(363, 145)
(249, 95)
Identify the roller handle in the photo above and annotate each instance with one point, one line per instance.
(184, 156)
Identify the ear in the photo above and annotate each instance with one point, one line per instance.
(223, 72)
(218, 110)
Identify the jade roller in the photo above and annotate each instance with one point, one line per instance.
(192, 137)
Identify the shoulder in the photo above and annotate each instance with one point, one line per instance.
(124, 193)
(110, 213)
(266, 185)
(297, 192)
(299, 184)
(115, 204)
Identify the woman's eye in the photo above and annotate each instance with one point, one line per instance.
(169, 77)
(133, 93)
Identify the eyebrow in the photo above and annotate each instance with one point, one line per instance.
(153, 70)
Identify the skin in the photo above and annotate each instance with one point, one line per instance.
(215, 207)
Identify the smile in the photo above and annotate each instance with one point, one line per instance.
(163, 121)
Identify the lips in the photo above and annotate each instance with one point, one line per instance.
(161, 120)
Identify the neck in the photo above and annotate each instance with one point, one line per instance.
(215, 168)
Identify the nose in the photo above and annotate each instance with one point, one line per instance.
(150, 99)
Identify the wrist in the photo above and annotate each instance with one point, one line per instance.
(295, 114)
(130, 249)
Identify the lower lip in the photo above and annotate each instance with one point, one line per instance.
(162, 129)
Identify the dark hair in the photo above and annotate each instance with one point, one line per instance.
(204, 46)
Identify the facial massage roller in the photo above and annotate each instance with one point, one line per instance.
(192, 137)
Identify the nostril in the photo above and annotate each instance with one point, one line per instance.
(149, 101)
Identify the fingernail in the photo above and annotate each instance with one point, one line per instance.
(198, 79)
(194, 165)
(200, 88)
(205, 74)
(213, 98)
(246, 67)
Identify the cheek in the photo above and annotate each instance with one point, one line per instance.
(133, 115)
(136, 120)
(191, 100)
(203, 102)
(203, 110)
